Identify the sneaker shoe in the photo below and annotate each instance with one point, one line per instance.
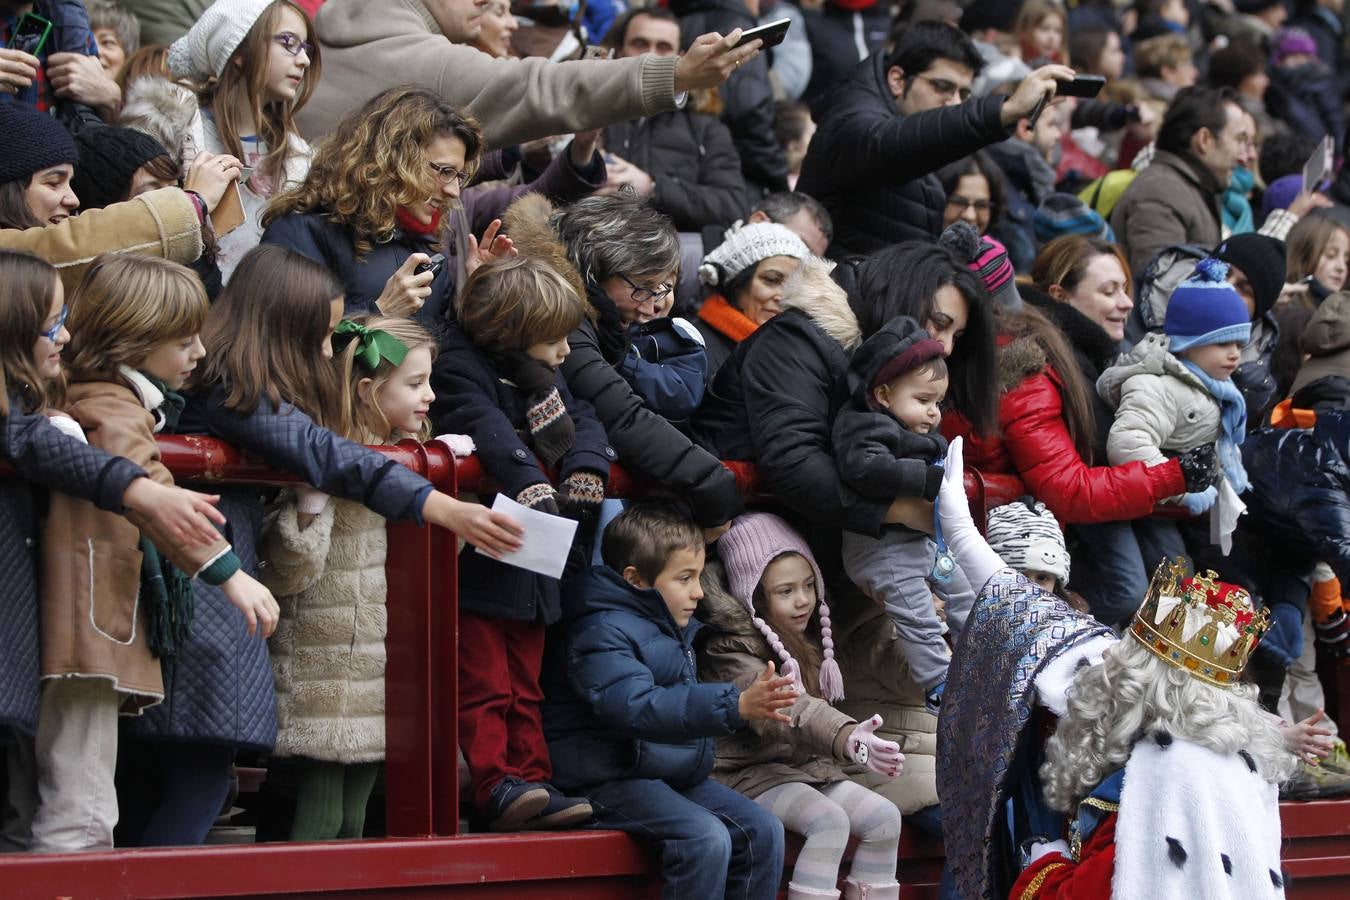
(1339, 760)
(513, 802)
(1315, 782)
(561, 811)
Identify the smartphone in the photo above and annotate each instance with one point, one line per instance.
(1084, 86)
(229, 212)
(30, 34)
(1318, 166)
(772, 34)
(434, 265)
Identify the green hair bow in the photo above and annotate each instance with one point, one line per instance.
(372, 344)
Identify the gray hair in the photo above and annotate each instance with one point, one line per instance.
(617, 234)
(121, 22)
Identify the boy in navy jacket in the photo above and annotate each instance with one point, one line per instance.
(629, 726)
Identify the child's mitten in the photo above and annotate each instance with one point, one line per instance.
(541, 497)
(1197, 503)
(1284, 641)
(1200, 468)
(878, 754)
(580, 495)
(1334, 634)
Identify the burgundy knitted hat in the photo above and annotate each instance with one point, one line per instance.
(913, 356)
(753, 542)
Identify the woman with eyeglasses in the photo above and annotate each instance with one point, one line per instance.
(628, 255)
(975, 192)
(255, 63)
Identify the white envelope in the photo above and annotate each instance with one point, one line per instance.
(546, 542)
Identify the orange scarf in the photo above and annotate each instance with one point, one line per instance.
(726, 319)
(1286, 416)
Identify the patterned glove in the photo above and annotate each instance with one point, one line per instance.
(580, 495)
(541, 497)
(1200, 468)
(879, 755)
(1334, 634)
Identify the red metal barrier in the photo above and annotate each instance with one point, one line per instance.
(423, 857)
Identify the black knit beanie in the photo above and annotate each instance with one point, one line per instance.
(109, 156)
(1262, 260)
(33, 141)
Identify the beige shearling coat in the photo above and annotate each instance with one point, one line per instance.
(1160, 405)
(763, 755)
(328, 654)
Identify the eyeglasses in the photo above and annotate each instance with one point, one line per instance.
(945, 89)
(51, 333)
(643, 295)
(292, 44)
(956, 201)
(447, 174)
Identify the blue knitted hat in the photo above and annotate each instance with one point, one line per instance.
(33, 141)
(1205, 309)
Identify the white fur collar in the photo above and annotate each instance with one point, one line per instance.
(151, 397)
(815, 293)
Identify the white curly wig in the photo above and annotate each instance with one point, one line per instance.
(1132, 694)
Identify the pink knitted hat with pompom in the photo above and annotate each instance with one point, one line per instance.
(753, 542)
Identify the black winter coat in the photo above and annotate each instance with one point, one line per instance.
(876, 454)
(218, 688)
(42, 456)
(873, 168)
(621, 692)
(646, 443)
(747, 96)
(774, 403)
(840, 39)
(473, 399)
(694, 162)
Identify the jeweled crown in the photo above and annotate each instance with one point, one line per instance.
(1201, 625)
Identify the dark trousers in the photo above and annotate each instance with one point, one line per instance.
(714, 842)
(501, 731)
(169, 793)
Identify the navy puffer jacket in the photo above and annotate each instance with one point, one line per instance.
(621, 692)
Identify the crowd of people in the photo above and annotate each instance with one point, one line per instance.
(882, 254)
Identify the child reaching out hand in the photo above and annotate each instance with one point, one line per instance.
(771, 607)
(631, 727)
(325, 560)
(887, 444)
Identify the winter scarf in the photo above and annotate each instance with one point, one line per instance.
(1236, 209)
(726, 319)
(552, 433)
(611, 335)
(1233, 418)
(413, 226)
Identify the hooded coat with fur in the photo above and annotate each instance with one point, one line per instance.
(328, 654)
(878, 455)
(761, 755)
(774, 403)
(1323, 381)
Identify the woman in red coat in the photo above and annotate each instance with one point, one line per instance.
(1052, 426)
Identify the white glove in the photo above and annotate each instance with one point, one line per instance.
(460, 445)
(973, 554)
(1038, 850)
(879, 755)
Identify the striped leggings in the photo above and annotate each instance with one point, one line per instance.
(826, 816)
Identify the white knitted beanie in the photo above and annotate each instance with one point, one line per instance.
(747, 548)
(205, 50)
(1026, 536)
(746, 246)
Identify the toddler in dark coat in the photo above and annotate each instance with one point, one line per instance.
(887, 445)
(496, 380)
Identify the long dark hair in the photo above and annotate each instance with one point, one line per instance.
(14, 211)
(978, 163)
(902, 280)
(1075, 392)
(27, 287)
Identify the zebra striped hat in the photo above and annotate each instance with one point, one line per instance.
(1027, 537)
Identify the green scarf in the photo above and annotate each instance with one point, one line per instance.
(166, 594)
(172, 406)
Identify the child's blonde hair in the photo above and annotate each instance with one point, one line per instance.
(514, 303)
(1306, 242)
(363, 421)
(27, 287)
(125, 306)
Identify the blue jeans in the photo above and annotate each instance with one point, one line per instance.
(714, 842)
(1113, 563)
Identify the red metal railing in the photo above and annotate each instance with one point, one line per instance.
(422, 855)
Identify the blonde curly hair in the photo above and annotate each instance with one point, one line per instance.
(1133, 694)
(375, 162)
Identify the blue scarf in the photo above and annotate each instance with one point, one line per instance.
(1233, 420)
(1237, 210)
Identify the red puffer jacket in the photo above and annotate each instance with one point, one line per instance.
(1034, 453)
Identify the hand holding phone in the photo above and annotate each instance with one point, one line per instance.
(30, 34)
(771, 34)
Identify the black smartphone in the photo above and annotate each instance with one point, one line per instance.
(772, 34)
(1083, 86)
(434, 265)
(30, 34)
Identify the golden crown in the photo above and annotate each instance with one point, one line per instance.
(1201, 625)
